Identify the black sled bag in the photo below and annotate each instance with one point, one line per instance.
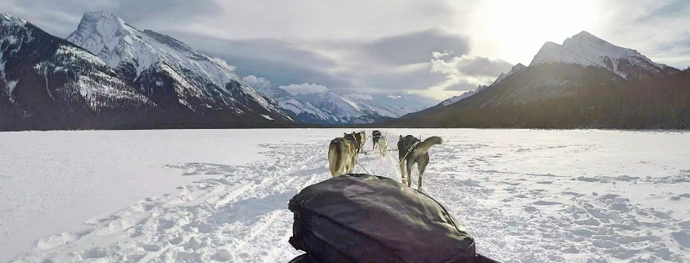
(365, 218)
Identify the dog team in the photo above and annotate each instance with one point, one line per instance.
(342, 153)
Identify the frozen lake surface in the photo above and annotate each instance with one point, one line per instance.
(221, 195)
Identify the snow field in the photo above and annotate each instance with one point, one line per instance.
(525, 195)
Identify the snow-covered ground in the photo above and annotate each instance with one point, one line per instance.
(525, 195)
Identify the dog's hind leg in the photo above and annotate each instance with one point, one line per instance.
(421, 166)
(402, 171)
(353, 163)
(333, 159)
(410, 163)
(385, 149)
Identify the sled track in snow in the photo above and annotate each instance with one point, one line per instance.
(515, 213)
(241, 217)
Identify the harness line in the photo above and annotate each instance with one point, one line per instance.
(409, 150)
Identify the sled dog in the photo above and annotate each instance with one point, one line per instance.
(375, 136)
(357, 138)
(382, 145)
(341, 156)
(410, 151)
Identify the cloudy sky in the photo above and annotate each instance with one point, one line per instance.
(434, 48)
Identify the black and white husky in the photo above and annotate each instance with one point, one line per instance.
(379, 142)
(375, 136)
(410, 151)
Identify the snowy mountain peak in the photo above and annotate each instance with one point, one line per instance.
(111, 39)
(586, 49)
(101, 17)
(9, 20)
(159, 64)
(586, 36)
(121, 45)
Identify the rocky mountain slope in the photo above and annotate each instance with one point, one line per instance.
(136, 79)
(47, 83)
(172, 74)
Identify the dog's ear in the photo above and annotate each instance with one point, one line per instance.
(400, 137)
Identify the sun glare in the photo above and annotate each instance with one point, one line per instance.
(518, 29)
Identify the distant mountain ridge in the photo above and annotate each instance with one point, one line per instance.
(330, 108)
(584, 83)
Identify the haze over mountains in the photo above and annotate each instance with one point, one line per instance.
(108, 74)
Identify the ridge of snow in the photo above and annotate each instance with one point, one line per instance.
(10, 20)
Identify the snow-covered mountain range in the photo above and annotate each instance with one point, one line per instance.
(109, 70)
(109, 74)
(300, 110)
(168, 71)
(113, 75)
(583, 50)
(331, 108)
(586, 82)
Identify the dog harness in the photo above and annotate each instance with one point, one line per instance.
(409, 150)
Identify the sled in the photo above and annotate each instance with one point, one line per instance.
(366, 218)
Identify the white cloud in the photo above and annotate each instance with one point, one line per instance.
(359, 96)
(440, 55)
(466, 72)
(304, 88)
(257, 82)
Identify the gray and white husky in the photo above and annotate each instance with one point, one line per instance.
(410, 151)
(342, 153)
(382, 145)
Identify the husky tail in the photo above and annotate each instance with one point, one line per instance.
(426, 144)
